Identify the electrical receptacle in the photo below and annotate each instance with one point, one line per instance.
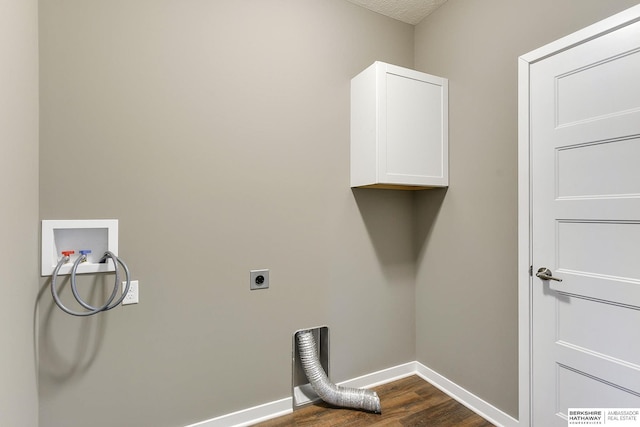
(132, 296)
(259, 279)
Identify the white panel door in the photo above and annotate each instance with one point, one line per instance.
(585, 175)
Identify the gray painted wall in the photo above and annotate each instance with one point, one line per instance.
(19, 210)
(217, 132)
(466, 286)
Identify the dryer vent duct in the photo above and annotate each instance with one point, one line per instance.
(346, 397)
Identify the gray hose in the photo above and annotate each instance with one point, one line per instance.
(92, 310)
(108, 305)
(346, 397)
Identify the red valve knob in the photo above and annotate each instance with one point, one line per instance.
(67, 253)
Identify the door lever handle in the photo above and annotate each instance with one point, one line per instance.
(545, 274)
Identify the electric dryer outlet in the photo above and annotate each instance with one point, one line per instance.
(259, 279)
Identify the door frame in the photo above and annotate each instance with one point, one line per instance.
(525, 279)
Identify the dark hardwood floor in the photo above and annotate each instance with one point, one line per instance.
(409, 402)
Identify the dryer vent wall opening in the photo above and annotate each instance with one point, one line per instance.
(301, 390)
(346, 397)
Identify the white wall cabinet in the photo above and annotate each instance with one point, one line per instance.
(399, 129)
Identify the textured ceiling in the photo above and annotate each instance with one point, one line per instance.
(409, 11)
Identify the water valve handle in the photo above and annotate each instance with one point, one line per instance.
(68, 253)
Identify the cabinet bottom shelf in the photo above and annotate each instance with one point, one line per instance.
(397, 187)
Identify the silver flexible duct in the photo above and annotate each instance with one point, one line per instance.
(346, 397)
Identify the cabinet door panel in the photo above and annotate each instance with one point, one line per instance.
(414, 128)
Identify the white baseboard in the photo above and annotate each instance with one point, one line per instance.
(468, 399)
(382, 377)
(256, 414)
(250, 416)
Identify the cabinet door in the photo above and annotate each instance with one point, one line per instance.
(413, 128)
